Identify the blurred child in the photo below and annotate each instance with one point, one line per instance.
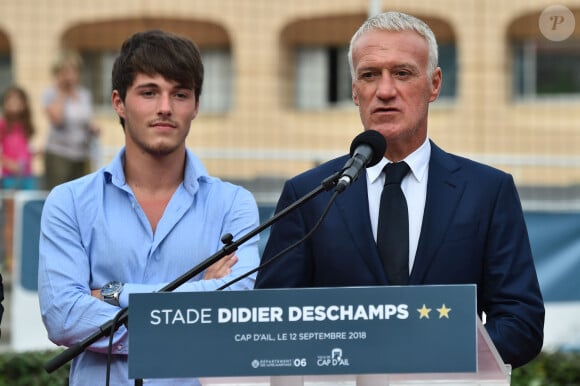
(16, 130)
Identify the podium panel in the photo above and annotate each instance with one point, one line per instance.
(491, 371)
(355, 335)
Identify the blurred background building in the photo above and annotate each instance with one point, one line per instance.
(277, 92)
(277, 96)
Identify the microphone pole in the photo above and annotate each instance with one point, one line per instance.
(230, 246)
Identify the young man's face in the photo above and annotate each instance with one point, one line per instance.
(157, 113)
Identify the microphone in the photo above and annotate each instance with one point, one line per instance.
(366, 149)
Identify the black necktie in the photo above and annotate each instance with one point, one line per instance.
(393, 228)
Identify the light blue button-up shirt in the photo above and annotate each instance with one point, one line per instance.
(94, 231)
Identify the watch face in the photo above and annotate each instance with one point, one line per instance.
(111, 288)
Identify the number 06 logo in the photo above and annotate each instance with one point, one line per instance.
(300, 362)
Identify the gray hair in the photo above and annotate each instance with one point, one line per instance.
(397, 21)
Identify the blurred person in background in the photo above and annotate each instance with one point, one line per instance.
(68, 107)
(16, 130)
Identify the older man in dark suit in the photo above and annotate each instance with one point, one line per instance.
(463, 220)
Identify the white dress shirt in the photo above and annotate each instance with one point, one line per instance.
(414, 187)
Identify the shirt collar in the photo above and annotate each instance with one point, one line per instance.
(418, 162)
(194, 173)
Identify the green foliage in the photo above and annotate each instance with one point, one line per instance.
(549, 369)
(26, 369)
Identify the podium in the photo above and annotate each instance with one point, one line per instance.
(491, 371)
(359, 336)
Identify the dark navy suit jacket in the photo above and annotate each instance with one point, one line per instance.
(473, 232)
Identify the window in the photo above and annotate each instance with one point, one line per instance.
(217, 88)
(321, 74)
(96, 75)
(5, 72)
(322, 77)
(546, 68)
(99, 51)
(217, 93)
(448, 64)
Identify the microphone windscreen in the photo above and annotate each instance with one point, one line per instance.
(375, 140)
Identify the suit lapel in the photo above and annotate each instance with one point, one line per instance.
(353, 206)
(444, 189)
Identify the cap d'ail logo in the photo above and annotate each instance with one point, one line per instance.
(336, 358)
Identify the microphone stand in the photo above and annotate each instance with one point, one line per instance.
(230, 246)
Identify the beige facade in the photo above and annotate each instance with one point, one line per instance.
(263, 134)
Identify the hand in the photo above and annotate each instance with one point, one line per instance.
(221, 268)
(96, 293)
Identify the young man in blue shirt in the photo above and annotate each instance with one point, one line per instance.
(145, 219)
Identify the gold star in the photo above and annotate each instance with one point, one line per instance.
(424, 312)
(444, 311)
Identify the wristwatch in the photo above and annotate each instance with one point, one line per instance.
(111, 292)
